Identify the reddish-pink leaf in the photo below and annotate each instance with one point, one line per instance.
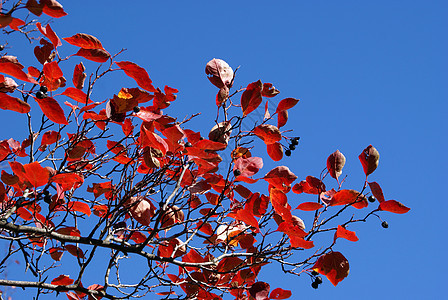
(80, 207)
(75, 251)
(279, 293)
(280, 176)
(84, 40)
(50, 137)
(333, 265)
(62, 280)
(141, 209)
(36, 174)
(282, 118)
(72, 231)
(260, 290)
(15, 104)
(77, 95)
(286, 104)
(14, 69)
(210, 145)
(24, 214)
(344, 197)
(335, 163)
(275, 151)
(229, 263)
(68, 180)
(309, 206)
(56, 253)
(52, 70)
(50, 34)
(341, 232)
(369, 159)
(298, 242)
(96, 55)
(268, 133)
(152, 139)
(138, 74)
(377, 191)
(219, 73)
(34, 7)
(251, 97)
(248, 166)
(52, 110)
(15, 23)
(394, 206)
(72, 296)
(269, 90)
(79, 76)
(53, 8)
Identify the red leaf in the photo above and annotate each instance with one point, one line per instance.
(24, 214)
(220, 73)
(210, 145)
(291, 230)
(229, 263)
(80, 207)
(36, 174)
(280, 176)
(56, 253)
(138, 74)
(50, 34)
(269, 90)
(72, 296)
(286, 104)
(141, 209)
(248, 166)
(50, 137)
(5, 20)
(13, 68)
(96, 55)
(15, 104)
(151, 139)
(147, 115)
(335, 163)
(72, 231)
(369, 159)
(268, 133)
(84, 40)
(53, 8)
(79, 76)
(260, 290)
(298, 242)
(62, 280)
(52, 70)
(345, 234)
(333, 265)
(275, 151)
(75, 251)
(282, 118)
(279, 293)
(377, 191)
(52, 110)
(34, 7)
(68, 180)
(309, 206)
(394, 206)
(344, 197)
(251, 97)
(76, 95)
(15, 23)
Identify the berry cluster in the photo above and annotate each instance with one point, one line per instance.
(42, 93)
(317, 279)
(292, 145)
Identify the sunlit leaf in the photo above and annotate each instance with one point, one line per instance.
(394, 206)
(346, 234)
(96, 55)
(333, 265)
(137, 73)
(251, 97)
(15, 104)
(369, 159)
(52, 110)
(62, 280)
(84, 40)
(310, 206)
(335, 163)
(268, 133)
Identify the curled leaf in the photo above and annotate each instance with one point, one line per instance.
(369, 158)
(333, 265)
(335, 163)
(219, 73)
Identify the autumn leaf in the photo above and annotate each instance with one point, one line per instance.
(50, 34)
(309, 206)
(80, 207)
(9, 65)
(84, 40)
(15, 104)
(260, 290)
(50, 137)
(219, 73)
(96, 55)
(77, 95)
(68, 180)
(394, 206)
(344, 197)
(62, 280)
(279, 293)
(52, 110)
(286, 104)
(269, 90)
(341, 232)
(377, 191)
(280, 176)
(251, 97)
(75, 251)
(268, 133)
(333, 265)
(369, 159)
(53, 8)
(248, 166)
(79, 76)
(275, 151)
(335, 163)
(138, 74)
(36, 174)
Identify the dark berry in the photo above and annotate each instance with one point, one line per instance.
(188, 144)
(41, 95)
(385, 224)
(152, 191)
(136, 109)
(237, 172)
(292, 147)
(371, 198)
(43, 89)
(315, 285)
(295, 141)
(201, 138)
(2, 47)
(47, 199)
(288, 152)
(318, 280)
(46, 192)
(314, 273)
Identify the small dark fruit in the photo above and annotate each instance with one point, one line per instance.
(2, 47)
(237, 172)
(295, 141)
(136, 109)
(318, 280)
(188, 144)
(288, 152)
(41, 95)
(315, 285)
(292, 147)
(46, 193)
(43, 89)
(152, 191)
(314, 273)
(371, 198)
(385, 224)
(47, 199)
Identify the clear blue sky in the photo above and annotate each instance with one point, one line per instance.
(367, 72)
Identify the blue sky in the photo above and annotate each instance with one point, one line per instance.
(367, 72)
